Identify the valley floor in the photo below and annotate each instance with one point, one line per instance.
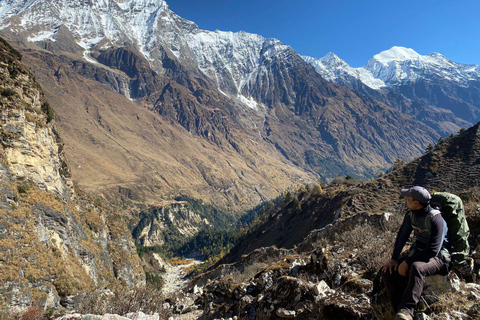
(174, 278)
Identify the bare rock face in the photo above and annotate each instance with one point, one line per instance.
(54, 242)
(31, 147)
(179, 216)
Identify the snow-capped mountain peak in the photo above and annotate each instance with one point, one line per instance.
(394, 67)
(334, 69)
(232, 60)
(90, 22)
(396, 54)
(400, 65)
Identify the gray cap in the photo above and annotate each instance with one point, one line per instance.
(417, 193)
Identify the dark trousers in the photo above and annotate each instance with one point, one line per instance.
(405, 292)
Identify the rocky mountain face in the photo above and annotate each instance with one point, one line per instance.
(54, 241)
(432, 88)
(176, 216)
(254, 116)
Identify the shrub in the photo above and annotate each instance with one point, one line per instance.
(8, 92)
(48, 111)
(372, 246)
(122, 300)
(154, 280)
(33, 312)
(17, 54)
(23, 188)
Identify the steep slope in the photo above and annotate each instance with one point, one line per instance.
(115, 144)
(432, 88)
(451, 166)
(265, 118)
(54, 242)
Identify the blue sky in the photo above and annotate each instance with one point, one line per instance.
(355, 30)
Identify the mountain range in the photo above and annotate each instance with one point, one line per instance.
(435, 90)
(227, 117)
(164, 119)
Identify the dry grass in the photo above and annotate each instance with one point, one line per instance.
(450, 302)
(23, 251)
(369, 246)
(123, 300)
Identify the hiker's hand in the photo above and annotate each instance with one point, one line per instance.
(392, 264)
(403, 268)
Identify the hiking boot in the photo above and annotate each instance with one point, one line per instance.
(403, 316)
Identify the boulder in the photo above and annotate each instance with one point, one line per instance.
(437, 284)
(347, 307)
(359, 285)
(142, 316)
(285, 314)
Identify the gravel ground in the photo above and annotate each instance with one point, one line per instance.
(175, 277)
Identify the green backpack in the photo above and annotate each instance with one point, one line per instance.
(451, 207)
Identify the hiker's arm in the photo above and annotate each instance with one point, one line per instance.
(402, 237)
(434, 244)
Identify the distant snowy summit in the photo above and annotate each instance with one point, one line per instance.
(394, 67)
(231, 60)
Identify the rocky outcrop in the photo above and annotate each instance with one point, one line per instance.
(31, 147)
(326, 283)
(54, 242)
(178, 218)
(294, 286)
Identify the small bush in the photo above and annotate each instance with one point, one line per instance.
(23, 188)
(372, 247)
(31, 313)
(123, 300)
(48, 111)
(8, 92)
(154, 280)
(15, 52)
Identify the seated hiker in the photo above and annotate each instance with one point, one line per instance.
(404, 277)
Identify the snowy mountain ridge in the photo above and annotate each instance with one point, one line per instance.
(232, 60)
(394, 67)
(334, 69)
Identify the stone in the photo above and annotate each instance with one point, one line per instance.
(360, 285)
(422, 316)
(197, 290)
(142, 316)
(347, 307)
(474, 296)
(441, 284)
(93, 317)
(460, 315)
(321, 289)
(285, 314)
(74, 316)
(472, 287)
